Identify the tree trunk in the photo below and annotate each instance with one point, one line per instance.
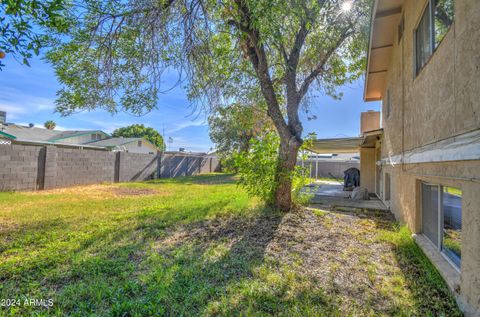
(287, 159)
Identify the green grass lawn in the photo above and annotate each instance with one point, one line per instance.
(201, 246)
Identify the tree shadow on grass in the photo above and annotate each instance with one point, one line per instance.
(222, 268)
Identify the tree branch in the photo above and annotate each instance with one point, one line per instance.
(319, 67)
(256, 53)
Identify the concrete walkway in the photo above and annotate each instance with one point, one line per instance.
(329, 194)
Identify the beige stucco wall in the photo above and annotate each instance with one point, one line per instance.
(369, 121)
(81, 139)
(405, 204)
(367, 169)
(146, 147)
(441, 102)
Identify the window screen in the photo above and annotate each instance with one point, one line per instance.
(423, 39)
(452, 224)
(434, 24)
(430, 212)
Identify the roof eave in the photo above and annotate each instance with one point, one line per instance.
(381, 25)
(372, 19)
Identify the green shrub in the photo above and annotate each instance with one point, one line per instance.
(257, 167)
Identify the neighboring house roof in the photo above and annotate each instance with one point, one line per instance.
(384, 22)
(70, 134)
(114, 142)
(24, 133)
(19, 132)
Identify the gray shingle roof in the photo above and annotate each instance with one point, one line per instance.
(72, 133)
(24, 133)
(27, 133)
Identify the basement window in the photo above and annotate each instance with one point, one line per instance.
(432, 28)
(442, 219)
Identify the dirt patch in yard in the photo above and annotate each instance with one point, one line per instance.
(98, 191)
(129, 191)
(341, 251)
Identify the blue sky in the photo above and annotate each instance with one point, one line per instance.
(27, 94)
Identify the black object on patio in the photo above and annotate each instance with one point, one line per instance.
(351, 178)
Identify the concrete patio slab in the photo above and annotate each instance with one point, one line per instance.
(333, 195)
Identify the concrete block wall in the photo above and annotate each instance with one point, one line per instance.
(137, 166)
(36, 166)
(21, 167)
(327, 168)
(81, 166)
(185, 165)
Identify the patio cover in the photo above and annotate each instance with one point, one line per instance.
(338, 145)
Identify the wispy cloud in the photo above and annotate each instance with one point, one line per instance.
(107, 126)
(198, 122)
(190, 144)
(17, 103)
(57, 127)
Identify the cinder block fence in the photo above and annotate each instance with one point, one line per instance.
(319, 169)
(35, 166)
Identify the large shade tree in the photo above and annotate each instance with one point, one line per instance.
(230, 51)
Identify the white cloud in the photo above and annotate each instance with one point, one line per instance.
(13, 111)
(57, 127)
(17, 103)
(197, 122)
(107, 126)
(190, 144)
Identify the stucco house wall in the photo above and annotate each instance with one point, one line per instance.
(84, 138)
(441, 102)
(145, 148)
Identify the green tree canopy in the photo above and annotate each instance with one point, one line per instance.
(233, 127)
(23, 25)
(50, 125)
(141, 131)
(232, 51)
